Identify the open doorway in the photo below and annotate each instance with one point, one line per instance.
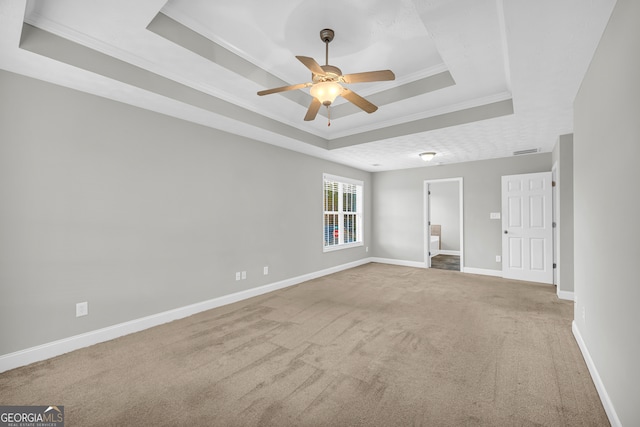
(443, 236)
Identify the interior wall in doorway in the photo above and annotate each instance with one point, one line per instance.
(445, 211)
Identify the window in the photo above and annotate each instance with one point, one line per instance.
(342, 226)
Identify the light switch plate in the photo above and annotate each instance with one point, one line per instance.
(494, 215)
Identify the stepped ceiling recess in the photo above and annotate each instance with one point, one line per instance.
(475, 79)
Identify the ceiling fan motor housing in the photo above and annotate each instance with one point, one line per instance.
(326, 35)
(332, 74)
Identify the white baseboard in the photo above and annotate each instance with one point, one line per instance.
(65, 345)
(448, 252)
(566, 295)
(482, 271)
(604, 396)
(416, 264)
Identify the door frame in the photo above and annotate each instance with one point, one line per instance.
(555, 196)
(426, 232)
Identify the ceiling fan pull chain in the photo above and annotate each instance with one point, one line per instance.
(328, 116)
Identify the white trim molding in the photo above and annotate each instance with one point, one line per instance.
(482, 271)
(65, 345)
(448, 252)
(604, 396)
(417, 264)
(566, 295)
(403, 263)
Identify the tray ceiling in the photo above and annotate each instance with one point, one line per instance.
(475, 79)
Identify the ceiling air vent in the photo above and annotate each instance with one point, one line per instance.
(528, 151)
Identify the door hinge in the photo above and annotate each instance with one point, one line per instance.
(553, 224)
(555, 265)
(429, 193)
(429, 222)
(553, 183)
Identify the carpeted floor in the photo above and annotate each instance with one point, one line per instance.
(377, 345)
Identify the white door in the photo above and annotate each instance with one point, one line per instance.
(527, 239)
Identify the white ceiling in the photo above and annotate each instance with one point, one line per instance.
(475, 79)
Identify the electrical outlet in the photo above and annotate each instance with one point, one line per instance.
(494, 215)
(265, 270)
(244, 275)
(237, 275)
(498, 258)
(82, 309)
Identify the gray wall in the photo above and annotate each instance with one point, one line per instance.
(138, 213)
(445, 211)
(399, 214)
(563, 159)
(607, 209)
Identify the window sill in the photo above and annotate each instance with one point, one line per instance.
(340, 247)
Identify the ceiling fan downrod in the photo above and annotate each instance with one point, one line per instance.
(326, 36)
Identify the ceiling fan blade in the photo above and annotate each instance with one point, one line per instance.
(283, 89)
(369, 76)
(313, 110)
(358, 101)
(311, 64)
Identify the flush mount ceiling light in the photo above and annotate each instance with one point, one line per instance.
(427, 156)
(327, 82)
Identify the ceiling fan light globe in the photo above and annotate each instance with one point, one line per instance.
(326, 92)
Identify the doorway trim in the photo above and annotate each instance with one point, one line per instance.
(426, 233)
(555, 196)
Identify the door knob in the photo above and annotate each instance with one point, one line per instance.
(506, 232)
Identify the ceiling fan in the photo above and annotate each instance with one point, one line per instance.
(326, 82)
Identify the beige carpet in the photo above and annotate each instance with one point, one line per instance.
(376, 345)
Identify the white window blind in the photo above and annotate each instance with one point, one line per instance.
(343, 209)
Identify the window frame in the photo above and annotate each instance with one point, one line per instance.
(359, 212)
